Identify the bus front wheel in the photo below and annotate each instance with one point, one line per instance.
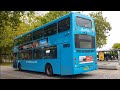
(49, 70)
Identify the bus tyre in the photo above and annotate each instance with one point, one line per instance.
(19, 66)
(49, 70)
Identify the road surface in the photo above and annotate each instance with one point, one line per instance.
(7, 72)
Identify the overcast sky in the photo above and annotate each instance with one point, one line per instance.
(114, 18)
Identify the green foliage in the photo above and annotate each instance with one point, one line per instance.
(102, 27)
(38, 21)
(116, 46)
(11, 25)
(52, 15)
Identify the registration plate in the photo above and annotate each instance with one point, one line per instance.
(86, 68)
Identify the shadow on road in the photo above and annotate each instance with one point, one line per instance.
(78, 76)
(31, 72)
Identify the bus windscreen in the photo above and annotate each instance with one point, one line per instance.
(84, 22)
(84, 41)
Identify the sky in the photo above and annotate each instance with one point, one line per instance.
(114, 18)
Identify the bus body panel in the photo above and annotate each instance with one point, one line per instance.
(83, 67)
(66, 60)
(39, 65)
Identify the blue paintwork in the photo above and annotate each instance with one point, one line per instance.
(79, 68)
(64, 64)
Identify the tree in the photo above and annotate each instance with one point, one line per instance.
(52, 15)
(10, 20)
(9, 23)
(116, 46)
(102, 27)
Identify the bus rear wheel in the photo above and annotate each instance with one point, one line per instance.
(49, 70)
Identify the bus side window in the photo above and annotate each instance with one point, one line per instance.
(46, 53)
(28, 55)
(37, 53)
(64, 25)
(21, 55)
(53, 52)
(28, 38)
(53, 29)
(50, 52)
(50, 30)
(38, 34)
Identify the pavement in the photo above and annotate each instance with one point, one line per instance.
(109, 65)
(7, 72)
(107, 70)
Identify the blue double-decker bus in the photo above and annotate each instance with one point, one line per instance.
(65, 46)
